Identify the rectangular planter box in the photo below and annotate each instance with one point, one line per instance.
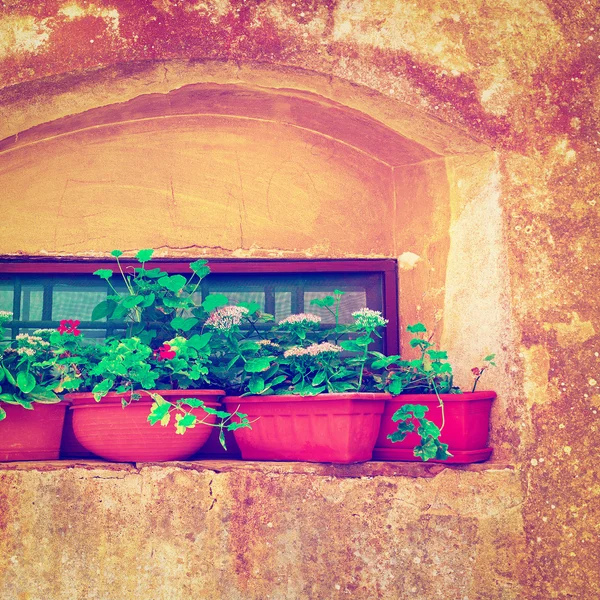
(340, 428)
(466, 428)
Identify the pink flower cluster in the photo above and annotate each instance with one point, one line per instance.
(312, 350)
(226, 317)
(303, 318)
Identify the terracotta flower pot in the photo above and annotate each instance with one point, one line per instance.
(69, 446)
(120, 434)
(31, 434)
(466, 428)
(339, 428)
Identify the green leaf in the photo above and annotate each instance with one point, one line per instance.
(275, 381)
(148, 300)
(200, 341)
(222, 438)
(116, 253)
(437, 354)
(213, 301)
(184, 324)
(408, 411)
(152, 273)
(442, 452)
(186, 422)
(25, 382)
(199, 267)
(144, 256)
(351, 346)
(404, 428)
(131, 301)
(428, 428)
(395, 387)
(251, 306)
(9, 376)
(427, 449)
(44, 395)
(173, 283)
(103, 310)
(257, 365)
(24, 403)
(2, 375)
(104, 273)
(319, 378)
(256, 384)
(9, 399)
(416, 328)
(2, 414)
(101, 389)
(160, 408)
(489, 358)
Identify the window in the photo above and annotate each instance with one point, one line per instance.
(40, 293)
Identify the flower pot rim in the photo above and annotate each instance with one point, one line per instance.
(464, 397)
(377, 396)
(205, 392)
(82, 399)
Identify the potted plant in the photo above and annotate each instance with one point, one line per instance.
(31, 413)
(306, 390)
(157, 370)
(457, 423)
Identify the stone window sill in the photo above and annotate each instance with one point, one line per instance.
(354, 471)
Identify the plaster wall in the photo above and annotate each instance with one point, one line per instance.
(505, 97)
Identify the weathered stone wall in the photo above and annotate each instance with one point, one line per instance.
(281, 531)
(504, 215)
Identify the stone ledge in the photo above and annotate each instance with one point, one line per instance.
(355, 471)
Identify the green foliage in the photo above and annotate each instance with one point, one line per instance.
(430, 445)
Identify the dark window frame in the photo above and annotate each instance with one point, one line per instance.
(85, 266)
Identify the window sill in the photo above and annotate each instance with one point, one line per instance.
(353, 471)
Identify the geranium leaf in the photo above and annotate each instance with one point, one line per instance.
(104, 273)
(213, 301)
(144, 256)
(25, 382)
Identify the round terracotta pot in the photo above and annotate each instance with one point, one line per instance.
(120, 434)
(466, 428)
(31, 434)
(338, 428)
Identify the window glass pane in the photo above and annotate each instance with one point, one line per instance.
(349, 303)
(243, 296)
(6, 296)
(76, 302)
(283, 305)
(32, 302)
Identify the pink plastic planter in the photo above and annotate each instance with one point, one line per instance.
(120, 434)
(31, 434)
(339, 428)
(467, 418)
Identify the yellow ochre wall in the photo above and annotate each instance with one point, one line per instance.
(460, 138)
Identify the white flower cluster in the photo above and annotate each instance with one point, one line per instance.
(27, 351)
(226, 317)
(34, 341)
(5, 316)
(369, 319)
(303, 318)
(43, 331)
(268, 343)
(312, 350)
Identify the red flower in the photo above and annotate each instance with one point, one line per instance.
(69, 326)
(165, 353)
(476, 371)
